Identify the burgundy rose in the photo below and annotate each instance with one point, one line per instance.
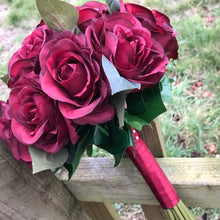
(90, 10)
(18, 149)
(72, 75)
(129, 46)
(159, 26)
(25, 59)
(35, 119)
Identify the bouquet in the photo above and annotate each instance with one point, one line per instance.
(90, 75)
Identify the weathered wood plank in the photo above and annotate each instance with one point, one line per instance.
(24, 196)
(154, 139)
(100, 210)
(155, 212)
(196, 180)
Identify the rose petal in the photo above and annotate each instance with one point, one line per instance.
(72, 130)
(26, 135)
(111, 42)
(71, 112)
(124, 19)
(141, 12)
(53, 89)
(87, 14)
(169, 43)
(104, 113)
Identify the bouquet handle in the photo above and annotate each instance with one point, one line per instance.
(152, 136)
(157, 180)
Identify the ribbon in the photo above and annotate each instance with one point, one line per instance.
(154, 176)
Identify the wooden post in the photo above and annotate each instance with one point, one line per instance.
(154, 140)
(100, 210)
(24, 196)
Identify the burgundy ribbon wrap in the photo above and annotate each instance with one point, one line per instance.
(152, 173)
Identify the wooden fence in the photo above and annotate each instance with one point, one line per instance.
(96, 185)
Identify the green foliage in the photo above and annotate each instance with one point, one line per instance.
(211, 214)
(190, 123)
(21, 10)
(193, 118)
(76, 151)
(146, 104)
(58, 14)
(113, 5)
(41, 160)
(117, 83)
(8, 1)
(198, 44)
(108, 137)
(134, 121)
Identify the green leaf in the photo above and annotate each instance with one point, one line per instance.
(5, 78)
(72, 150)
(117, 83)
(86, 133)
(89, 150)
(103, 130)
(135, 103)
(130, 142)
(119, 101)
(118, 141)
(59, 15)
(69, 169)
(44, 161)
(151, 102)
(154, 104)
(166, 89)
(135, 121)
(101, 136)
(113, 5)
(80, 149)
(118, 158)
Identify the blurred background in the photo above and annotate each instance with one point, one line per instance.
(191, 126)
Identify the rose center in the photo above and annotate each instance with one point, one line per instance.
(134, 44)
(31, 115)
(67, 70)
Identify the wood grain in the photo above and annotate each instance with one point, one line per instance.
(154, 139)
(24, 196)
(100, 210)
(196, 180)
(155, 212)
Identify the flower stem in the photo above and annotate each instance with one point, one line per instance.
(179, 212)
